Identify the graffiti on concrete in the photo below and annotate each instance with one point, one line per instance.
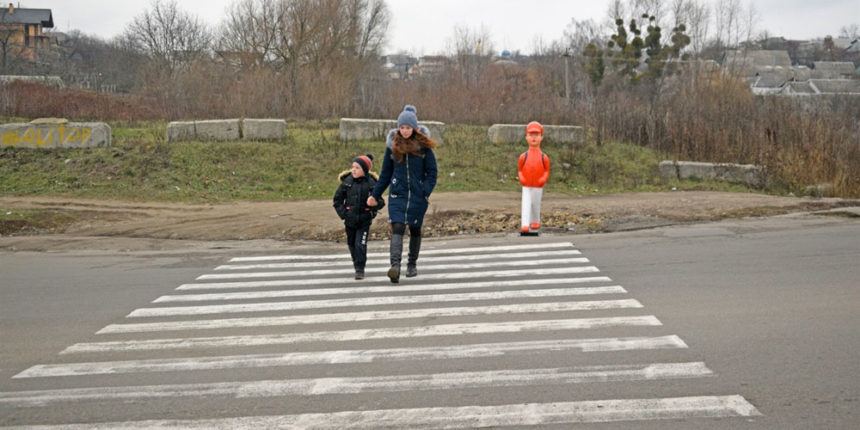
(51, 133)
(46, 136)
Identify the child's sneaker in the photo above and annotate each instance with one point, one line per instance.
(524, 229)
(535, 226)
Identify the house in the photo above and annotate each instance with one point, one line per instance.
(431, 65)
(22, 31)
(833, 70)
(399, 66)
(753, 61)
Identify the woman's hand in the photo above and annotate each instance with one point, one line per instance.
(371, 201)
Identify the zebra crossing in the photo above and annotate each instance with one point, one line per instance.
(473, 341)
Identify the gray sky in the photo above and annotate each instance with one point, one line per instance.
(425, 26)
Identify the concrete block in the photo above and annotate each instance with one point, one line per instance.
(369, 129)
(364, 129)
(696, 170)
(217, 129)
(53, 133)
(668, 170)
(181, 131)
(516, 133)
(747, 174)
(264, 129)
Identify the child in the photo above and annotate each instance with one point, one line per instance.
(350, 202)
(533, 171)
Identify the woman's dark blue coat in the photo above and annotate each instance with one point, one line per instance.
(409, 185)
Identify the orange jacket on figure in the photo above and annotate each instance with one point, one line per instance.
(533, 168)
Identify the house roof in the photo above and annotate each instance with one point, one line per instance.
(757, 60)
(771, 78)
(801, 88)
(832, 69)
(27, 16)
(837, 86)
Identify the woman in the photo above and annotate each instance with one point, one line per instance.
(409, 167)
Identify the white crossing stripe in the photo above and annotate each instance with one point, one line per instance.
(366, 334)
(523, 308)
(481, 350)
(370, 301)
(463, 417)
(529, 414)
(536, 271)
(424, 252)
(448, 267)
(424, 260)
(380, 289)
(367, 384)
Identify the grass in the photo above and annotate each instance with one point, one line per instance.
(142, 166)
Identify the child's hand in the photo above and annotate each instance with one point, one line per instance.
(371, 201)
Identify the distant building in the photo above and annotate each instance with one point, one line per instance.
(431, 65)
(833, 70)
(770, 72)
(751, 61)
(505, 58)
(399, 66)
(22, 31)
(54, 81)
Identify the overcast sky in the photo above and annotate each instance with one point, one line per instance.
(425, 26)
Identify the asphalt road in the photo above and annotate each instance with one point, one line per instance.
(738, 324)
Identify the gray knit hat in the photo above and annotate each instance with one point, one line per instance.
(409, 117)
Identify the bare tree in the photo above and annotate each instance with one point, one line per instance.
(734, 22)
(472, 49)
(616, 9)
(169, 35)
(250, 29)
(850, 31)
(698, 21)
(578, 34)
(750, 22)
(373, 19)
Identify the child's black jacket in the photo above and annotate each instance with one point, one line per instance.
(350, 199)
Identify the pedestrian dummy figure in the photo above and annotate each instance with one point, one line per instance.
(533, 171)
(409, 168)
(350, 203)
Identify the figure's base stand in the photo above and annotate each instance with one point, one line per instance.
(531, 233)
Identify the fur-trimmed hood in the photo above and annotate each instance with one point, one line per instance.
(389, 139)
(342, 175)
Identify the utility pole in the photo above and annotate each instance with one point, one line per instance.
(566, 56)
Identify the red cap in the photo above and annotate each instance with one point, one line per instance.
(534, 127)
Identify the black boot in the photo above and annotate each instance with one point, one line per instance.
(359, 272)
(396, 252)
(412, 263)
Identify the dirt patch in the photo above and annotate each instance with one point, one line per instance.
(450, 214)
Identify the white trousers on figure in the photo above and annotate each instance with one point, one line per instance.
(531, 205)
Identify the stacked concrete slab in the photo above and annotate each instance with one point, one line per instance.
(369, 129)
(747, 174)
(218, 129)
(51, 133)
(227, 130)
(264, 129)
(516, 133)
